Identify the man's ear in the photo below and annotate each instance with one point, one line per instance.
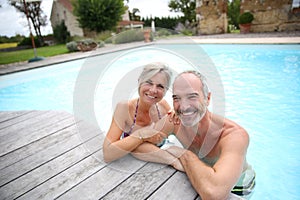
(208, 99)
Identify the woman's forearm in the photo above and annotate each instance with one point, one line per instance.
(120, 148)
(151, 153)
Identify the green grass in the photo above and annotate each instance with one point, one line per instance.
(24, 55)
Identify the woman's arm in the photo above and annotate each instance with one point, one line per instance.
(114, 148)
(152, 153)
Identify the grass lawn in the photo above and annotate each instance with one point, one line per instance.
(24, 55)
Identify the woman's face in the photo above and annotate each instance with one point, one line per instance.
(154, 89)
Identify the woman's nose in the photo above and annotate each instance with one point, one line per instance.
(153, 88)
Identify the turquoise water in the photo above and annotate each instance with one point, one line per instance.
(262, 93)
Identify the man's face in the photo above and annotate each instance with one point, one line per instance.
(188, 99)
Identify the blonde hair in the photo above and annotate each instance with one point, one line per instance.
(152, 69)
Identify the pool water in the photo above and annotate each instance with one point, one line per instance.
(262, 93)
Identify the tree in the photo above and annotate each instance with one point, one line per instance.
(233, 12)
(133, 15)
(187, 7)
(98, 15)
(35, 15)
(61, 33)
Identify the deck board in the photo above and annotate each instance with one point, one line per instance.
(52, 155)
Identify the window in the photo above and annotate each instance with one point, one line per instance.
(296, 4)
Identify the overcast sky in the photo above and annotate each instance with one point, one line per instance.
(13, 22)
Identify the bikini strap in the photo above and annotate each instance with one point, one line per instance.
(159, 115)
(135, 115)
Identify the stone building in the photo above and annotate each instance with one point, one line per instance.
(62, 10)
(269, 15)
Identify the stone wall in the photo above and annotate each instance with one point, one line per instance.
(62, 12)
(211, 16)
(271, 15)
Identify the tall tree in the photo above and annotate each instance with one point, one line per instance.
(98, 15)
(133, 15)
(187, 7)
(233, 12)
(35, 15)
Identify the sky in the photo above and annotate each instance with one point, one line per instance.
(13, 22)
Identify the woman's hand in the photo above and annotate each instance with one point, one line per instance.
(150, 135)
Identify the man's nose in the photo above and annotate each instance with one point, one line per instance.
(184, 104)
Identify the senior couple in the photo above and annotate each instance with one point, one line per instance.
(213, 151)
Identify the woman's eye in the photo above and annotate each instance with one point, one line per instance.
(161, 86)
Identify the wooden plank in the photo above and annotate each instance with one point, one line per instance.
(8, 115)
(29, 181)
(66, 180)
(177, 187)
(67, 141)
(27, 134)
(143, 183)
(39, 145)
(102, 182)
(11, 118)
(32, 123)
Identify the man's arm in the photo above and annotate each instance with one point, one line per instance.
(216, 182)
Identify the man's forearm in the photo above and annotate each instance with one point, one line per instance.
(202, 177)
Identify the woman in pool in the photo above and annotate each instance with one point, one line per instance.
(126, 133)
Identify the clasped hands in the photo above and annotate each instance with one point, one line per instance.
(151, 135)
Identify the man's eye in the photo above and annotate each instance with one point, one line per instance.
(175, 99)
(193, 97)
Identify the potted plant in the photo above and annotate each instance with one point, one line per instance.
(147, 35)
(245, 20)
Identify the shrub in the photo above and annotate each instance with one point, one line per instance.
(101, 44)
(129, 36)
(163, 32)
(28, 42)
(245, 18)
(72, 46)
(61, 33)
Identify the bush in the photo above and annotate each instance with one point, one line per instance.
(72, 46)
(28, 42)
(61, 33)
(129, 36)
(163, 32)
(245, 18)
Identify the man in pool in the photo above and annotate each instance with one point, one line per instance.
(214, 148)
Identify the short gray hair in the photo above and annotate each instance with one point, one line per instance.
(154, 68)
(201, 77)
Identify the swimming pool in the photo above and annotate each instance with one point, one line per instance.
(262, 93)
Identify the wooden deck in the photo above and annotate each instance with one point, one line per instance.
(44, 155)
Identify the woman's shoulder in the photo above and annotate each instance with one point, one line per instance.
(164, 104)
(125, 104)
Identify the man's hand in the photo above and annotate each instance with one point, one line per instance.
(173, 117)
